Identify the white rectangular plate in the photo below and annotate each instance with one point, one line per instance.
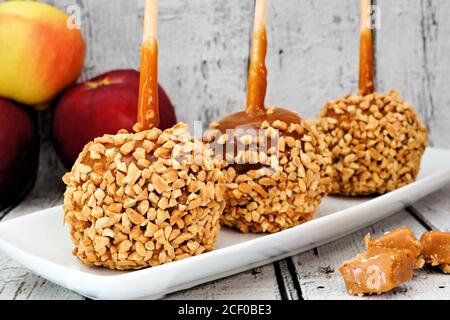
(41, 243)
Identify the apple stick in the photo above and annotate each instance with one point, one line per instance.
(366, 78)
(148, 110)
(257, 78)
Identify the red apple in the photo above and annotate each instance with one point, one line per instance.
(19, 151)
(104, 104)
(40, 53)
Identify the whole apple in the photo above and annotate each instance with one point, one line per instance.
(40, 52)
(104, 104)
(19, 152)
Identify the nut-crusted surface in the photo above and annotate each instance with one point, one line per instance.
(287, 188)
(377, 142)
(130, 205)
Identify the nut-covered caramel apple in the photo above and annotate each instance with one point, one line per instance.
(276, 165)
(147, 197)
(377, 140)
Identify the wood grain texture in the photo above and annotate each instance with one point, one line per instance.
(312, 53)
(412, 55)
(434, 210)
(240, 286)
(17, 282)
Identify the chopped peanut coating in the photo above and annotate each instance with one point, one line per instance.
(376, 140)
(131, 204)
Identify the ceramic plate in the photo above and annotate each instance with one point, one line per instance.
(41, 242)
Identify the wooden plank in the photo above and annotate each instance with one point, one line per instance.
(400, 52)
(435, 30)
(312, 53)
(434, 210)
(19, 283)
(320, 279)
(240, 286)
(412, 55)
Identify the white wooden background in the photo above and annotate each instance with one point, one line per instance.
(312, 57)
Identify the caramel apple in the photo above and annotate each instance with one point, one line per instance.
(275, 163)
(143, 198)
(377, 140)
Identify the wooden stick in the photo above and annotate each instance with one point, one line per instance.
(257, 77)
(366, 74)
(148, 109)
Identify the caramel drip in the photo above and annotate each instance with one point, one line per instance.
(243, 120)
(148, 112)
(366, 83)
(255, 113)
(257, 75)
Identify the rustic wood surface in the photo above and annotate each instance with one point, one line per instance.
(312, 57)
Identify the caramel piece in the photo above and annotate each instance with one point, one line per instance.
(436, 249)
(377, 270)
(445, 268)
(401, 238)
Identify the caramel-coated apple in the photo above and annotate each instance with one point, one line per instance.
(276, 164)
(377, 140)
(147, 197)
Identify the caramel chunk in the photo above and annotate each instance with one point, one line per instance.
(436, 249)
(401, 238)
(377, 270)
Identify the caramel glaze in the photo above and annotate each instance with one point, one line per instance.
(148, 112)
(366, 83)
(255, 113)
(244, 121)
(257, 73)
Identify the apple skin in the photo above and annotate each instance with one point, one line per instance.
(102, 105)
(39, 55)
(19, 152)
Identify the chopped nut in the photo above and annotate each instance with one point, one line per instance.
(127, 147)
(104, 222)
(287, 193)
(135, 217)
(159, 183)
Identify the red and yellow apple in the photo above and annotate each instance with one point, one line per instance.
(40, 54)
(104, 104)
(19, 152)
